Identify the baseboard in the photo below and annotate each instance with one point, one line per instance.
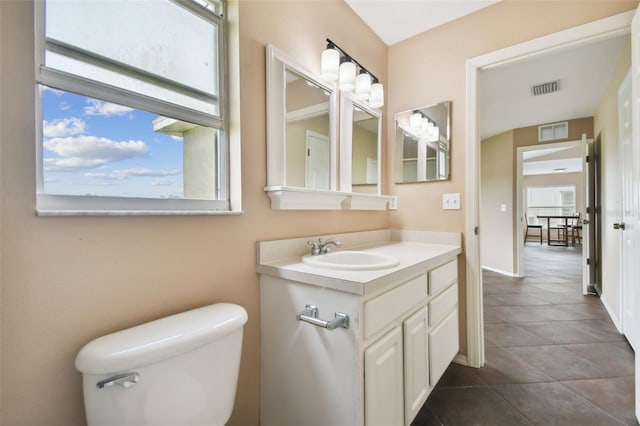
(500, 271)
(613, 317)
(461, 359)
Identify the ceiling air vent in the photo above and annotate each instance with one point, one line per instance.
(544, 88)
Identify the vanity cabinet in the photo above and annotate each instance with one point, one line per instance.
(402, 335)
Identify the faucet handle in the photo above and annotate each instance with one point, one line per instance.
(315, 247)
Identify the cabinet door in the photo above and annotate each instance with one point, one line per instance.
(383, 381)
(416, 364)
(443, 344)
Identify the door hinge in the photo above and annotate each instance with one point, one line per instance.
(586, 159)
(476, 230)
(308, 152)
(588, 261)
(588, 210)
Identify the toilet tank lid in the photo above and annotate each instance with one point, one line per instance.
(160, 339)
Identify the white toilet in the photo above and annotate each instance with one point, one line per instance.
(181, 370)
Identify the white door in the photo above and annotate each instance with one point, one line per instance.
(587, 249)
(383, 381)
(318, 164)
(416, 364)
(632, 218)
(625, 142)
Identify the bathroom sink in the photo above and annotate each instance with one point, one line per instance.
(351, 260)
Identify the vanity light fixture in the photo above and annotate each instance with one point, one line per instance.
(424, 126)
(336, 64)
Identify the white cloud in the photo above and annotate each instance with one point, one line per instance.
(162, 182)
(71, 164)
(89, 152)
(105, 109)
(126, 173)
(145, 172)
(63, 127)
(93, 147)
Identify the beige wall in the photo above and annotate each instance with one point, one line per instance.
(68, 280)
(496, 186)
(65, 281)
(606, 125)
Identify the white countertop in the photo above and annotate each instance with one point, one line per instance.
(415, 258)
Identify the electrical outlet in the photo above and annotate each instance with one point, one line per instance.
(451, 201)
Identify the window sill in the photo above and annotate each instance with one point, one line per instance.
(68, 205)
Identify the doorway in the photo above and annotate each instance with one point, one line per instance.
(600, 30)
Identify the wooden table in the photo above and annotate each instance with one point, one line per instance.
(565, 240)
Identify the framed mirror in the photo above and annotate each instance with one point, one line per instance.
(301, 126)
(360, 140)
(423, 144)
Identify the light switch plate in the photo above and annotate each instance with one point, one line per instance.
(451, 201)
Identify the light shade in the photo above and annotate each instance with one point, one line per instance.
(347, 76)
(434, 133)
(330, 64)
(363, 86)
(415, 121)
(376, 99)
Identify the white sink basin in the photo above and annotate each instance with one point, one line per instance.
(352, 260)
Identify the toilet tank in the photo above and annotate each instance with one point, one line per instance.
(179, 370)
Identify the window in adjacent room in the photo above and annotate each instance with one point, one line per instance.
(133, 111)
(557, 200)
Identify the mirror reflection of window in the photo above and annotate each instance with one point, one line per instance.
(308, 148)
(364, 158)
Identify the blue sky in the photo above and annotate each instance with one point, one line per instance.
(92, 147)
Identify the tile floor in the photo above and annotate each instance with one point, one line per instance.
(553, 356)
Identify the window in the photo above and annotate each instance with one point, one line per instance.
(551, 201)
(549, 132)
(132, 117)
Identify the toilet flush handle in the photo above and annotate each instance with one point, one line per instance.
(126, 380)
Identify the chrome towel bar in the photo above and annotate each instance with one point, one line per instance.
(310, 315)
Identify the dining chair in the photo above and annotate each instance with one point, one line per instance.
(527, 227)
(576, 228)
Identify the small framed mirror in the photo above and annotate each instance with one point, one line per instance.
(423, 144)
(360, 139)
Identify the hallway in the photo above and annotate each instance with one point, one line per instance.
(553, 356)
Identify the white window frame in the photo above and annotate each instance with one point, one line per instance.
(228, 156)
(555, 128)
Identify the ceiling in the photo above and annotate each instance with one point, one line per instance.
(505, 100)
(397, 20)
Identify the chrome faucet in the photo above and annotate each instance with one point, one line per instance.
(320, 247)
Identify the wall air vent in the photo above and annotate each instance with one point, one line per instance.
(545, 88)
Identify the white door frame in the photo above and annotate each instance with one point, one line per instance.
(613, 26)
